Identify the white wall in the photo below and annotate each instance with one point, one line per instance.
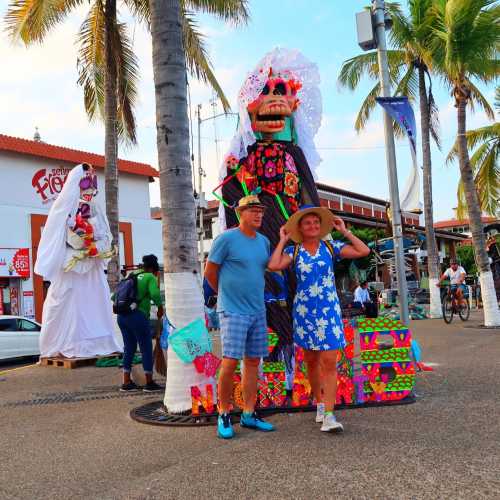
(146, 238)
(16, 189)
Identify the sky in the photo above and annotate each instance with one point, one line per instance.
(38, 89)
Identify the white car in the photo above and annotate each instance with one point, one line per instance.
(18, 337)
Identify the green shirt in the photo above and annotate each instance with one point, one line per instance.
(147, 292)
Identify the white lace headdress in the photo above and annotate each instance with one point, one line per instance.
(288, 63)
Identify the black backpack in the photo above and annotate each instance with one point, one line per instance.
(125, 297)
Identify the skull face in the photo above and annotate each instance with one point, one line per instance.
(277, 101)
(88, 185)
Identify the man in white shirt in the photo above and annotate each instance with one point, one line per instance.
(456, 275)
(362, 299)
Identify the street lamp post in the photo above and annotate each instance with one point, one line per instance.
(378, 21)
(201, 195)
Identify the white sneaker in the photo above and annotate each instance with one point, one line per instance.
(330, 424)
(320, 412)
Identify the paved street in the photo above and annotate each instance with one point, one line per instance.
(444, 446)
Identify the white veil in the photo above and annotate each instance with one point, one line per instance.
(52, 248)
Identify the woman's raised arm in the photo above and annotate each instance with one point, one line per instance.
(278, 260)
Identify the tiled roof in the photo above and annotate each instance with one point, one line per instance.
(41, 149)
(460, 222)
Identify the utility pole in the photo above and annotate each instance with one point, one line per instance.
(201, 173)
(201, 197)
(397, 229)
(367, 22)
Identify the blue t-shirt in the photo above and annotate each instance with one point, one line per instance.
(243, 261)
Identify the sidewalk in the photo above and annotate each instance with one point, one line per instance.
(81, 442)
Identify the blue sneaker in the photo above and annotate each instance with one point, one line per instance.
(224, 427)
(252, 421)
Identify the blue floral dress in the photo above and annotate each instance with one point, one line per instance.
(317, 318)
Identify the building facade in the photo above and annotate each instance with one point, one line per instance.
(358, 211)
(32, 173)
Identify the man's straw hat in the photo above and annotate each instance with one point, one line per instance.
(250, 201)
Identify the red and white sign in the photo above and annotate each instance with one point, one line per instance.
(48, 182)
(14, 263)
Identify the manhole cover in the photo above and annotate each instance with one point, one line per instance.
(73, 397)
(155, 413)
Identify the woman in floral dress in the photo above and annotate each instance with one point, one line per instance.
(317, 318)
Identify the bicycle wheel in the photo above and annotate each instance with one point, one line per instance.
(448, 309)
(464, 311)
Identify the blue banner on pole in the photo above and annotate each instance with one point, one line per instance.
(400, 110)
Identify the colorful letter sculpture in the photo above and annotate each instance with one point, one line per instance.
(345, 367)
(206, 402)
(389, 369)
(384, 372)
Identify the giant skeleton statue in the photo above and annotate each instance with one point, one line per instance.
(73, 252)
(273, 155)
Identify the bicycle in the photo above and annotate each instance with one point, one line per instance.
(450, 306)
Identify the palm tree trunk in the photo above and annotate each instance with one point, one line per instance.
(183, 293)
(432, 251)
(490, 303)
(110, 140)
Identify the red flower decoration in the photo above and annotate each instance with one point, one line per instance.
(291, 184)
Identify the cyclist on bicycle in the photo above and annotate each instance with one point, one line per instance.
(456, 275)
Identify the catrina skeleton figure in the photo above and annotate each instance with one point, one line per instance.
(273, 155)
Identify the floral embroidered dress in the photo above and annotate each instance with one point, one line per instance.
(317, 318)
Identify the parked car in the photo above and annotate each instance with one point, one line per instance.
(18, 337)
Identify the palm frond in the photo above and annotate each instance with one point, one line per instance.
(127, 73)
(466, 38)
(477, 98)
(232, 11)
(197, 59)
(487, 180)
(90, 62)
(92, 71)
(408, 85)
(357, 67)
(480, 155)
(488, 134)
(140, 11)
(367, 108)
(434, 124)
(461, 201)
(31, 20)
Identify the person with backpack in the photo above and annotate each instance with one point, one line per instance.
(317, 318)
(132, 303)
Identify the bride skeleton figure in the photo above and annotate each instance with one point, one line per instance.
(273, 155)
(73, 251)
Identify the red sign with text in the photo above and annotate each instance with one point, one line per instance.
(14, 262)
(48, 182)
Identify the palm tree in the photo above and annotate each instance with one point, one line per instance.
(485, 166)
(184, 302)
(409, 65)
(465, 46)
(108, 69)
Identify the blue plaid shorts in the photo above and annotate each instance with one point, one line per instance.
(243, 335)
